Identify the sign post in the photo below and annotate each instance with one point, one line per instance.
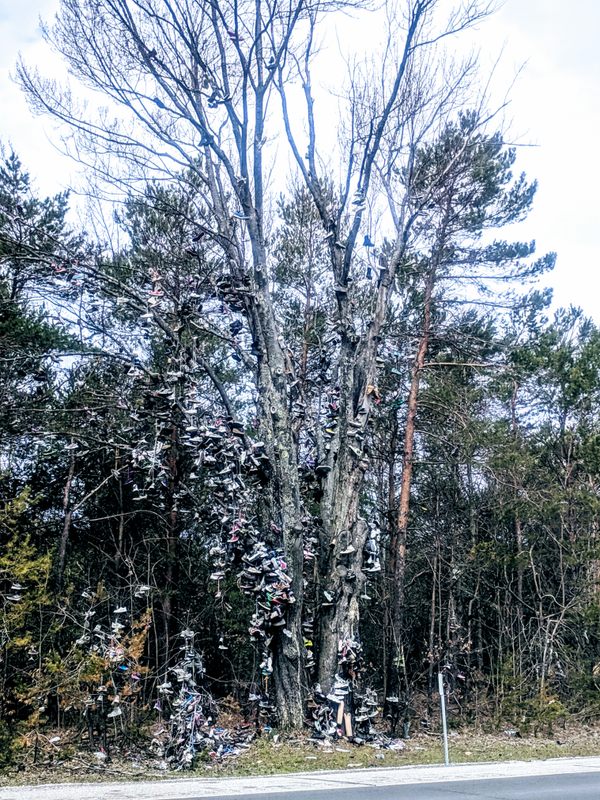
(443, 709)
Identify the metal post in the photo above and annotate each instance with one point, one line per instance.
(444, 726)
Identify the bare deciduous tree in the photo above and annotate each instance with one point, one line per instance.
(199, 84)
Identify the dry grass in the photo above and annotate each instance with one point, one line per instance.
(267, 757)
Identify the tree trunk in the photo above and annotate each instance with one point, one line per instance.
(345, 581)
(169, 591)
(66, 531)
(390, 567)
(399, 538)
(284, 510)
(431, 656)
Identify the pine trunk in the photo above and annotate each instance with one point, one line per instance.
(399, 539)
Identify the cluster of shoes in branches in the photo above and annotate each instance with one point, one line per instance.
(219, 449)
(264, 577)
(110, 702)
(259, 566)
(232, 467)
(347, 711)
(13, 593)
(355, 432)
(189, 715)
(187, 711)
(326, 599)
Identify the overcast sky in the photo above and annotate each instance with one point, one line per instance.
(555, 105)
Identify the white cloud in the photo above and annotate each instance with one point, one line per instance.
(28, 135)
(555, 105)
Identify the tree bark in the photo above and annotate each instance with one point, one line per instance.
(66, 530)
(399, 539)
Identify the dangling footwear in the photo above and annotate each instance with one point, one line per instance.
(322, 469)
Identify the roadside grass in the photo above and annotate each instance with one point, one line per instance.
(266, 757)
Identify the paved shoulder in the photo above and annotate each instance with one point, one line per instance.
(351, 781)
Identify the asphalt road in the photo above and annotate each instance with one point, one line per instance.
(553, 779)
(585, 786)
